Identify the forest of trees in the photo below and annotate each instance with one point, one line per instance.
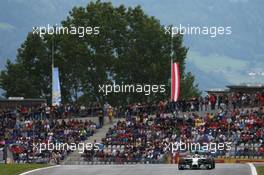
(131, 47)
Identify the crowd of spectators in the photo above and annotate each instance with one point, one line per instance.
(18, 132)
(210, 102)
(238, 119)
(142, 136)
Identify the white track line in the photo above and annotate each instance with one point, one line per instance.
(31, 171)
(253, 169)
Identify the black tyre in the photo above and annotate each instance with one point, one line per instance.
(209, 167)
(180, 167)
(213, 165)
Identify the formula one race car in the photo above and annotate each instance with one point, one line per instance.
(196, 162)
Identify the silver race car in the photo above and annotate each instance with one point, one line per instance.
(196, 162)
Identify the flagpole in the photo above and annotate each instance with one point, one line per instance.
(52, 52)
(171, 62)
(52, 67)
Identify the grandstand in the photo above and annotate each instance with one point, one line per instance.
(139, 133)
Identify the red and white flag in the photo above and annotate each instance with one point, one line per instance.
(175, 81)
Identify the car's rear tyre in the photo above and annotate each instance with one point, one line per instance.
(213, 166)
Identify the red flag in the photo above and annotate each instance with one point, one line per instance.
(175, 81)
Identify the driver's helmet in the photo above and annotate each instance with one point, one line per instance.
(196, 155)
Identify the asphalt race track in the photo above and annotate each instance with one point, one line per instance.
(140, 169)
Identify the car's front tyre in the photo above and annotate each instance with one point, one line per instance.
(180, 167)
(209, 167)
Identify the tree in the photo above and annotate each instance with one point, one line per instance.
(30, 75)
(131, 48)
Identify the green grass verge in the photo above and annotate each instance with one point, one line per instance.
(260, 170)
(16, 169)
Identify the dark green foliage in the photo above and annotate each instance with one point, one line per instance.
(132, 48)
